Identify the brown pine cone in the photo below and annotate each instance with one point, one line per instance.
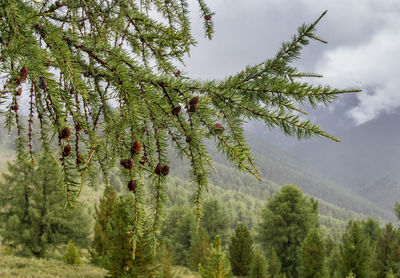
(158, 169)
(165, 170)
(66, 151)
(132, 186)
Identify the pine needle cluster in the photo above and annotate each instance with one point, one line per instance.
(102, 84)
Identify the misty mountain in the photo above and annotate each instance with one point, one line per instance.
(367, 152)
(282, 167)
(278, 168)
(384, 191)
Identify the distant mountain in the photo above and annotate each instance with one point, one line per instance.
(278, 168)
(366, 153)
(384, 191)
(282, 168)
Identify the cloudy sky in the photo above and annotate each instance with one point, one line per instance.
(363, 50)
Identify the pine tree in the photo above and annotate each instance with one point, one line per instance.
(118, 257)
(102, 217)
(199, 249)
(390, 274)
(216, 264)
(165, 258)
(215, 220)
(259, 266)
(286, 221)
(240, 250)
(33, 219)
(388, 256)
(71, 256)
(355, 252)
(182, 238)
(274, 265)
(371, 229)
(312, 256)
(333, 263)
(105, 86)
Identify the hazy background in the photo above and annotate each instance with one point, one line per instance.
(363, 52)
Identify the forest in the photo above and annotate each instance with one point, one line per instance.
(239, 235)
(117, 162)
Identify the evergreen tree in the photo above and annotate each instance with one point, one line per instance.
(388, 255)
(71, 256)
(355, 252)
(104, 78)
(199, 249)
(240, 250)
(274, 266)
(215, 220)
(390, 274)
(259, 266)
(216, 264)
(333, 263)
(286, 220)
(119, 259)
(165, 258)
(312, 256)
(33, 218)
(371, 230)
(182, 239)
(102, 217)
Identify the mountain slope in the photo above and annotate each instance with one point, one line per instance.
(282, 168)
(384, 191)
(279, 168)
(367, 152)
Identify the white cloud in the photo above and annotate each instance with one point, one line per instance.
(363, 49)
(373, 66)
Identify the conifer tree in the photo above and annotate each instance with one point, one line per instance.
(388, 256)
(286, 221)
(371, 230)
(104, 82)
(355, 252)
(216, 264)
(259, 266)
(199, 249)
(102, 217)
(33, 218)
(165, 258)
(119, 259)
(240, 250)
(333, 263)
(71, 256)
(390, 274)
(215, 220)
(274, 265)
(312, 256)
(182, 238)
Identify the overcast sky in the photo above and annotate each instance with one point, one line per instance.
(363, 49)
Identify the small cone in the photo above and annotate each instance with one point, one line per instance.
(66, 151)
(194, 101)
(175, 111)
(136, 148)
(158, 169)
(65, 133)
(23, 73)
(127, 164)
(165, 170)
(132, 186)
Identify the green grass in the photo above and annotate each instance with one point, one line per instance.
(11, 266)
